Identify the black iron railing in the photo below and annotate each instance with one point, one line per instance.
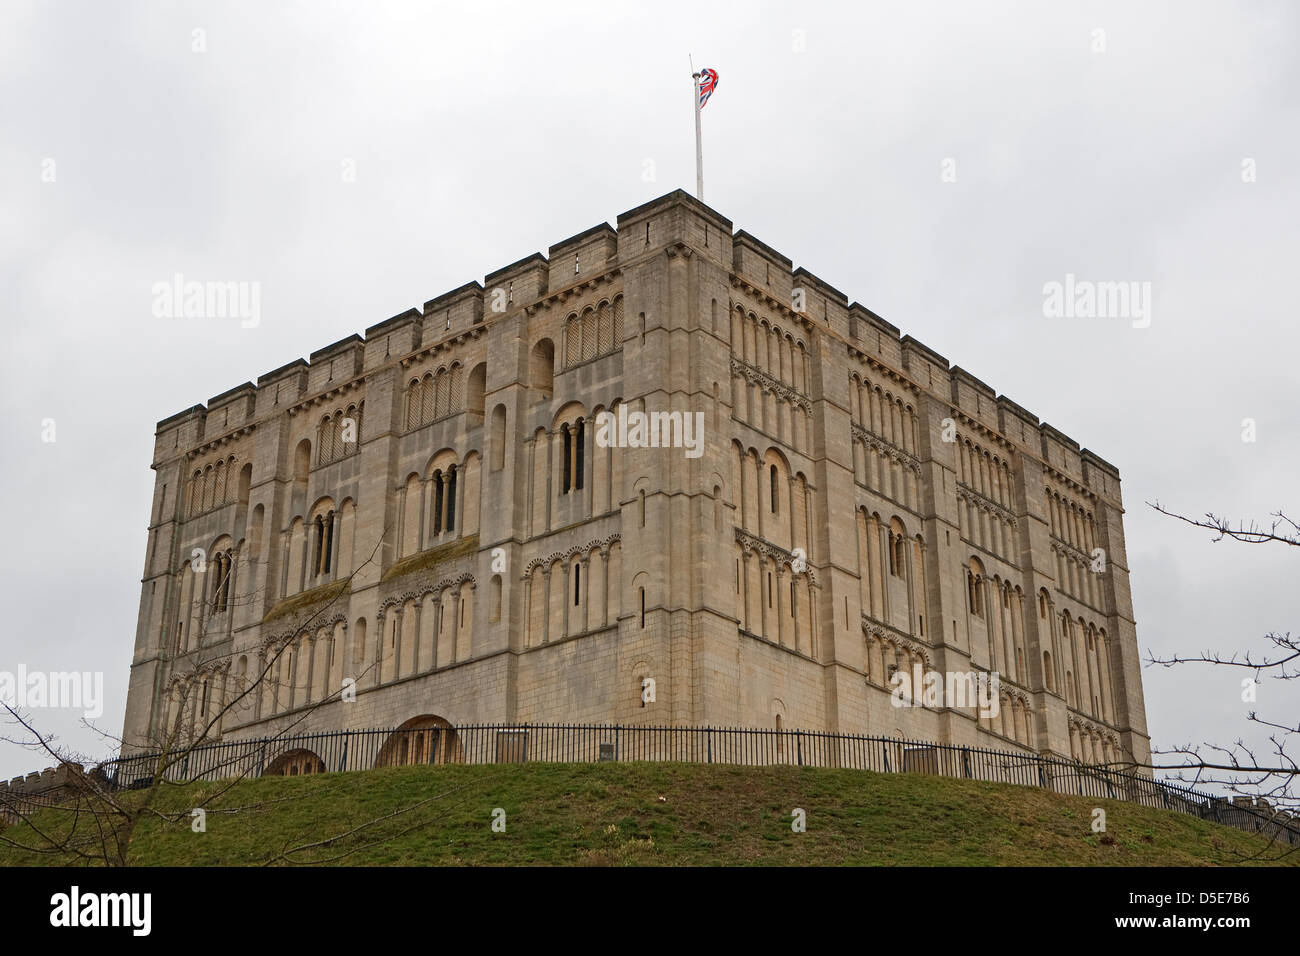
(342, 750)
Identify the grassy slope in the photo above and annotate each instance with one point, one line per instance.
(667, 814)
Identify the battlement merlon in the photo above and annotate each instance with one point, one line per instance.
(399, 335)
(922, 364)
(822, 302)
(519, 283)
(676, 218)
(589, 253)
(673, 219)
(763, 267)
(43, 781)
(594, 251)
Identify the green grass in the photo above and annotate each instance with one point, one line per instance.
(658, 814)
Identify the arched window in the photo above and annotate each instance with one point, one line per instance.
(301, 465)
(229, 566)
(451, 498)
(498, 437)
(566, 482)
(412, 403)
(318, 542)
(215, 565)
(577, 583)
(221, 566)
(578, 454)
(975, 595)
(245, 483)
(326, 524)
(542, 370)
(437, 502)
(772, 487)
(427, 398)
(477, 387)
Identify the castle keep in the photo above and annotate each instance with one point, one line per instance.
(427, 510)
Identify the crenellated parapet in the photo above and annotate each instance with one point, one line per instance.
(432, 507)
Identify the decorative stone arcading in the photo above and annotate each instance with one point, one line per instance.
(284, 637)
(876, 631)
(213, 668)
(765, 298)
(578, 551)
(750, 544)
(888, 449)
(419, 593)
(1070, 551)
(445, 344)
(328, 396)
(760, 378)
(1015, 694)
(220, 441)
(967, 493)
(592, 282)
(1092, 729)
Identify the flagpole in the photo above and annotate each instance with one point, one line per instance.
(699, 148)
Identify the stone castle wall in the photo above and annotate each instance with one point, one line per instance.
(426, 510)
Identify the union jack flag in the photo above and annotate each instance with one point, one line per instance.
(708, 83)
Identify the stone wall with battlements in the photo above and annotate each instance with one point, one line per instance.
(430, 521)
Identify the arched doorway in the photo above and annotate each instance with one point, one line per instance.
(295, 763)
(423, 739)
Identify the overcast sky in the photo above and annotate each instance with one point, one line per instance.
(483, 133)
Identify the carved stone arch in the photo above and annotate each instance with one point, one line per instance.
(440, 460)
(920, 651)
(427, 738)
(773, 453)
(322, 505)
(569, 412)
(459, 580)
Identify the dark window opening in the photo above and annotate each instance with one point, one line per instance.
(580, 457)
(451, 498)
(567, 480)
(437, 502)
